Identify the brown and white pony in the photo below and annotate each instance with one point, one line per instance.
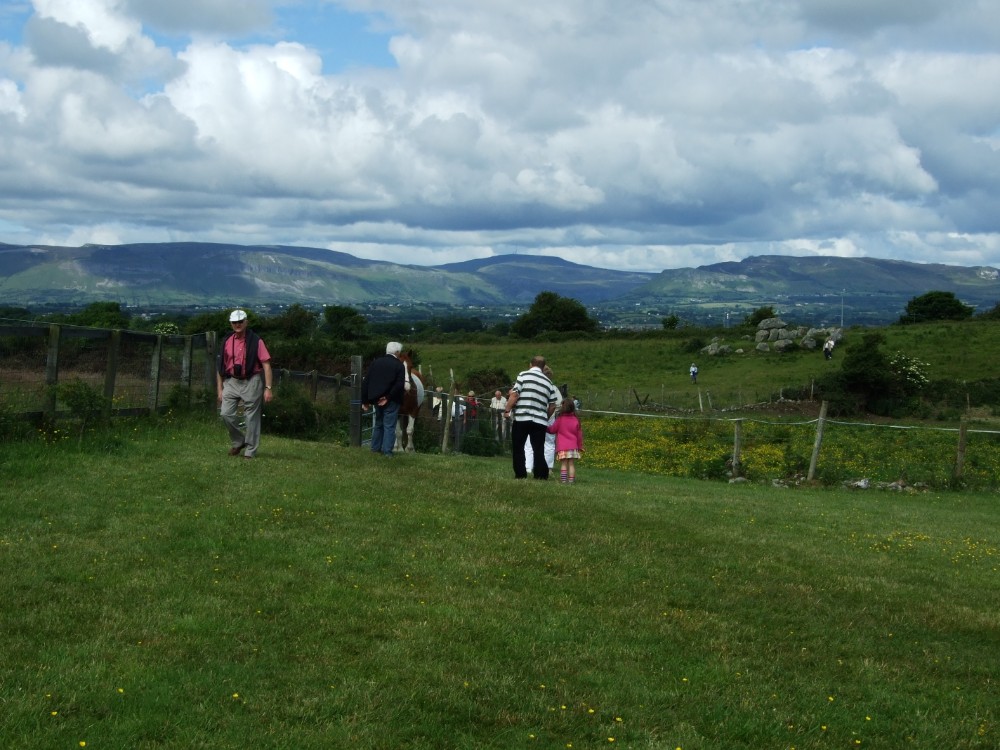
(413, 397)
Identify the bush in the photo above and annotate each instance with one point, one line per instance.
(693, 345)
(487, 381)
(84, 401)
(12, 427)
(480, 441)
(292, 413)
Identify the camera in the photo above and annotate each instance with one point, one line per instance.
(237, 371)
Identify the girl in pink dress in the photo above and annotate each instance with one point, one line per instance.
(569, 440)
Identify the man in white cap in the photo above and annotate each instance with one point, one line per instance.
(243, 373)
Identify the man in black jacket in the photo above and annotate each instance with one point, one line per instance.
(383, 388)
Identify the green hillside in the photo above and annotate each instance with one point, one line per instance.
(819, 290)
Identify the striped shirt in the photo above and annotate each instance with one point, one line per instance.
(534, 394)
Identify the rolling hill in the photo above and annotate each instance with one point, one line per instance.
(188, 275)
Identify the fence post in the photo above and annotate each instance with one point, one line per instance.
(737, 447)
(356, 401)
(446, 404)
(52, 370)
(154, 375)
(963, 429)
(211, 347)
(111, 373)
(701, 406)
(313, 384)
(186, 359)
(818, 443)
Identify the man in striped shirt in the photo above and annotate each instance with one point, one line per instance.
(530, 402)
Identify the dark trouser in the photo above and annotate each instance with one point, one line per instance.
(535, 432)
(384, 431)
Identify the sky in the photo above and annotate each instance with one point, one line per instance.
(641, 135)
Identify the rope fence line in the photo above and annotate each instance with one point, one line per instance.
(782, 423)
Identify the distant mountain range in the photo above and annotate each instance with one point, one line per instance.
(200, 275)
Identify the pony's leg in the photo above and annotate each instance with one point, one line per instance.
(410, 423)
(399, 435)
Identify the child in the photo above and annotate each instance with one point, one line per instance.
(569, 440)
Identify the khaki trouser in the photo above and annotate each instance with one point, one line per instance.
(251, 393)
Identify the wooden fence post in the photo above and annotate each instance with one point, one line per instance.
(186, 360)
(962, 438)
(818, 443)
(154, 375)
(111, 372)
(737, 448)
(313, 384)
(355, 401)
(211, 349)
(52, 370)
(447, 405)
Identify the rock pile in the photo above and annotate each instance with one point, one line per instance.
(774, 334)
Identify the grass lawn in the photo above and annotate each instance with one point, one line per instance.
(159, 594)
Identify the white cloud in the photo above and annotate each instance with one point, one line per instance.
(202, 16)
(676, 133)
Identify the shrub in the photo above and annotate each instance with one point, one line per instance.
(12, 427)
(480, 441)
(292, 413)
(487, 381)
(84, 401)
(693, 345)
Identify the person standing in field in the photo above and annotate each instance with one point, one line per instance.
(828, 349)
(569, 440)
(497, 407)
(694, 372)
(243, 374)
(530, 402)
(436, 403)
(383, 388)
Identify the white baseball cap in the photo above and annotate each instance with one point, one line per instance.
(236, 316)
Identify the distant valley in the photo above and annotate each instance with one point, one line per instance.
(194, 276)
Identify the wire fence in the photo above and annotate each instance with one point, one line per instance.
(686, 433)
(783, 452)
(136, 372)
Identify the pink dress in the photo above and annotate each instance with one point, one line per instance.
(569, 436)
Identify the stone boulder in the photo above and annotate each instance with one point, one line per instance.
(775, 335)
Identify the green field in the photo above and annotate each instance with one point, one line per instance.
(605, 372)
(160, 594)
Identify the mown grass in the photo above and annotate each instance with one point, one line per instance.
(158, 593)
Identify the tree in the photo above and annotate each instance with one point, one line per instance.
(761, 313)
(345, 323)
(992, 314)
(458, 324)
(294, 323)
(100, 315)
(15, 313)
(550, 312)
(214, 321)
(872, 380)
(671, 322)
(935, 306)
